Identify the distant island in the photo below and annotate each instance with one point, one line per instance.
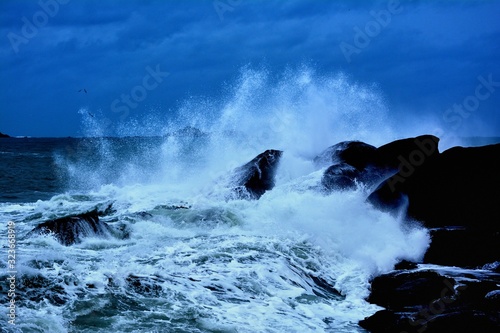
(4, 135)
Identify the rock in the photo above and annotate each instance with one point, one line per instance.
(256, 177)
(355, 160)
(463, 247)
(457, 194)
(400, 290)
(459, 187)
(396, 154)
(4, 135)
(355, 153)
(340, 177)
(405, 265)
(385, 321)
(429, 301)
(72, 229)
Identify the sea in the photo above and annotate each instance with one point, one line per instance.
(191, 258)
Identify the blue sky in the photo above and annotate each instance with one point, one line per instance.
(435, 60)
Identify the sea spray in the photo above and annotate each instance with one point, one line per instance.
(297, 259)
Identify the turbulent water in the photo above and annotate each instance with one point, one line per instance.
(189, 259)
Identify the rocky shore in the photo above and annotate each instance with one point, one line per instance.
(456, 194)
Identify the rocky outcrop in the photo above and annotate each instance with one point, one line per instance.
(2, 135)
(355, 162)
(73, 229)
(340, 177)
(355, 153)
(431, 301)
(456, 194)
(254, 178)
(463, 247)
(460, 187)
(414, 151)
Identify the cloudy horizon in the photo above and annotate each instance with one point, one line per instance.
(435, 62)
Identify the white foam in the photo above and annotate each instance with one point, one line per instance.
(239, 264)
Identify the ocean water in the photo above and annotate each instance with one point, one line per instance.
(189, 259)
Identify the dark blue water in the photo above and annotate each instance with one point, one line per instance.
(27, 168)
(34, 169)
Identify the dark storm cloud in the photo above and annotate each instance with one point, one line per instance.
(426, 58)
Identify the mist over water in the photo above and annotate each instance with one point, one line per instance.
(299, 111)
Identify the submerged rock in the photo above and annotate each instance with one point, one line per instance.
(254, 178)
(36, 288)
(72, 229)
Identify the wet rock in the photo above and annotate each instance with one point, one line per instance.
(405, 265)
(396, 154)
(254, 178)
(399, 290)
(340, 177)
(428, 301)
(460, 187)
(370, 166)
(72, 229)
(355, 153)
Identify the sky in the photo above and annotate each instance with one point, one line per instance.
(435, 61)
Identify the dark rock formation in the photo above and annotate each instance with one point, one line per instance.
(2, 135)
(355, 153)
(72, 229)
(256, 177)
(460, 187)
(353, 161)
(428, 301)
(340, 177)
(463, 247)
(400, 290)
(397, 154)
(457, 194)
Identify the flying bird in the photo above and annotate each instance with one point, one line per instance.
(84, 90)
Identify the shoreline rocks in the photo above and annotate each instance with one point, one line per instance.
(353, 162)
(460, 187)
(456, 194)
(431, 301)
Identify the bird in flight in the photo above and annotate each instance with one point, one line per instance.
(84, 90)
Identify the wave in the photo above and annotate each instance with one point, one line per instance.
(296, 259)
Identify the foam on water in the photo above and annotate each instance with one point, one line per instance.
(219, 265)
